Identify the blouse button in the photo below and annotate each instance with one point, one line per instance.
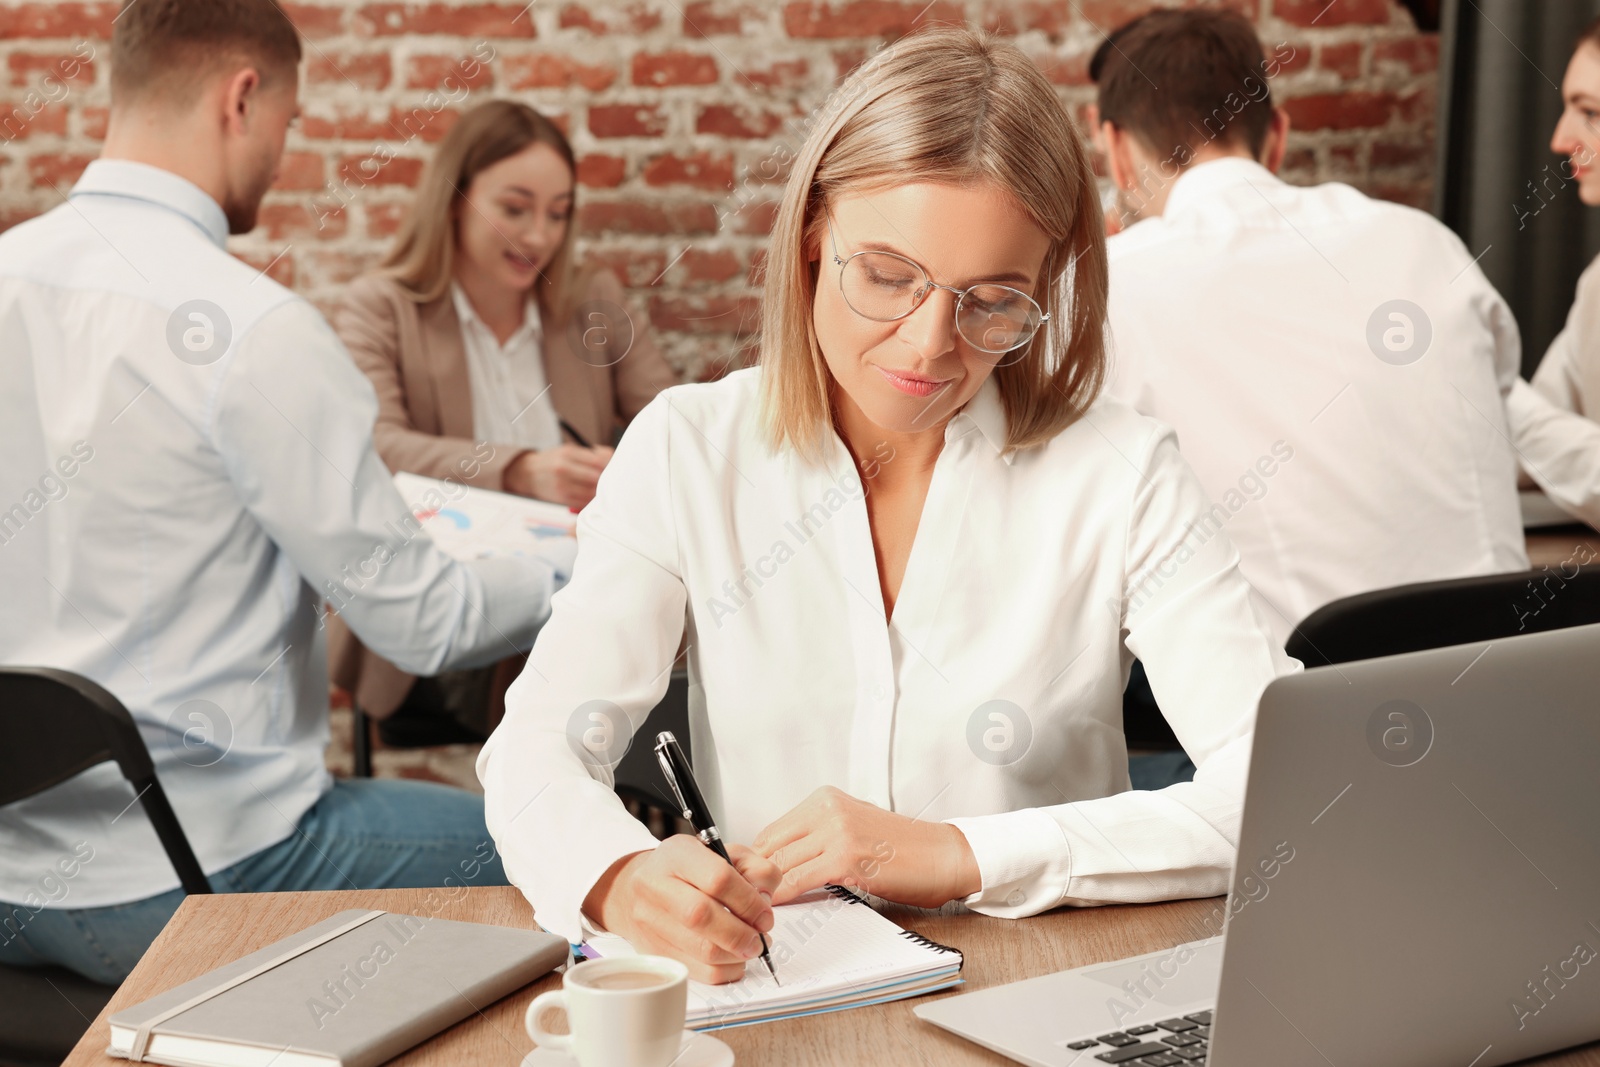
(878, 691)
(1016, 898)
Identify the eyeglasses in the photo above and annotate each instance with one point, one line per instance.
(886, 286)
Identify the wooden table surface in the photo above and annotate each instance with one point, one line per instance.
(208, 931)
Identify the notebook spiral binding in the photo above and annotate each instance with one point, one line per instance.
(927, 942)
(847, 895)
(850, 896)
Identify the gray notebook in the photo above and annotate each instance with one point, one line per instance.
(354, 990)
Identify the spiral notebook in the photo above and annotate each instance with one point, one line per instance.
(831, 951)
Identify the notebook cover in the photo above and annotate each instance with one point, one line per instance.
(363, 997)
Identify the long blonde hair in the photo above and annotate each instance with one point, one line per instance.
(955, 106)
(423, 257)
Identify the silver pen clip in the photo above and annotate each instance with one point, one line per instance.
(672, 779)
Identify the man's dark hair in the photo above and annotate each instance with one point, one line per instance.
(161, 47)
(1178, 80)
(1590, 35)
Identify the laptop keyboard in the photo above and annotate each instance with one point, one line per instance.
(1168, 1043)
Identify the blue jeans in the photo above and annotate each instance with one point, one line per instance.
(362, 834)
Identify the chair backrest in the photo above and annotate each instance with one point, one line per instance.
(1409, 618)
(56, 724)
(637, 774)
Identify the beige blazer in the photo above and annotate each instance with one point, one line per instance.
(417, 363)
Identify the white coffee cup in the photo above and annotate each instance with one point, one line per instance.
(627, 1011)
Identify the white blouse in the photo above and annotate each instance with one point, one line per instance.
(510, 398)
(991, 700)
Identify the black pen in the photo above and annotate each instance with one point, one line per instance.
(574, 434)
(680, 779)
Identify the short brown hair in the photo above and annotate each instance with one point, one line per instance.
(957, 106)
(422, 258)
(1177, 80)
(1590, 35)
(158, 45)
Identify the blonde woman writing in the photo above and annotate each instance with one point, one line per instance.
(915, 555)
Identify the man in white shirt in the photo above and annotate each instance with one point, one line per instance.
(1340, 374)
(187, 473)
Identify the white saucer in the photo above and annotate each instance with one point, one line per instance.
(698, 1050)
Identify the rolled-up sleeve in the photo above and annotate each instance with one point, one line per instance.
(301, 457)
(1559, 449)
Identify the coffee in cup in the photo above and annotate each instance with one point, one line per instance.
(626, 980)
(627, 1011)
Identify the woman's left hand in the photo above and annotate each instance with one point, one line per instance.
(833, 837)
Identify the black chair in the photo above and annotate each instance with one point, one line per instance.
(1143, 725)
(1410, 618)
(638, 779)
(43, 1013)
(427, 732)
(421, 721)
(55, 725)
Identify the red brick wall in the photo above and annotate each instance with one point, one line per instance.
(673, 108)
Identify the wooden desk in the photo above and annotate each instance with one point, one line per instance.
(211, 930)
(1563, 546)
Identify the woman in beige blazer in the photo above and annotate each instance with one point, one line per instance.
(497, 361)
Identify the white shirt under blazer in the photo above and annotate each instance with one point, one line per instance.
(510, 396)
(1017, 590)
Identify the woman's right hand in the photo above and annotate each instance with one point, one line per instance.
(682, 900)
(565, 474)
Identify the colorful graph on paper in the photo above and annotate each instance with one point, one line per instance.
(472, 523)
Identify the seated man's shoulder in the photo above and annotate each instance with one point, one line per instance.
(28, 236)
(1144, 236)
(1357, 213)
(186, 274)
(244, 292)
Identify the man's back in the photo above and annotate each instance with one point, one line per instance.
(187, 466)
(1334, 368)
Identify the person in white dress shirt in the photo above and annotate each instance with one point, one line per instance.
(912, 554)
(1340, 374)
(1569, 374)
(186, 472)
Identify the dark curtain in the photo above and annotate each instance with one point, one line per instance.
(1501, 188)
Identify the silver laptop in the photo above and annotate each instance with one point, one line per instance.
(1417, 882)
